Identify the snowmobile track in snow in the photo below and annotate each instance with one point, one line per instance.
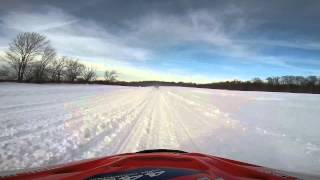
(51, 124)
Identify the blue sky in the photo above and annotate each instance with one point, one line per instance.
(181, 40)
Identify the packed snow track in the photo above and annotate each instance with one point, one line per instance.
(51, 124)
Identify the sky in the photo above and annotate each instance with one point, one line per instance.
(175, 40)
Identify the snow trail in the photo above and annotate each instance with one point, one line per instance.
(52, 124)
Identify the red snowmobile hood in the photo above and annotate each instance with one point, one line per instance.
(154, 165)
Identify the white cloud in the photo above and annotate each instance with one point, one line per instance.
(143, 39)
(38, 22)
(74, 37)
(298, 44)
(90, 42)
(161, 30)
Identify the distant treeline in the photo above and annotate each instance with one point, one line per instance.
(306, 86)
(295, 84)
(31, 58)
(310, 84)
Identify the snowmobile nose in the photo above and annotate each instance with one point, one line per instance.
(161, 150)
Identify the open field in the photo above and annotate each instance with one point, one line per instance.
(52, 124)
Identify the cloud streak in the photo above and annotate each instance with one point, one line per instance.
(73, 37)
(138, 45)
(89, 41)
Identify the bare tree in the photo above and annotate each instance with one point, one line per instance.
(41, 66)
(270, 80)
(276, 80)
(257, 80)
(300, 80)
(23, 50)
(273, 80)
(29, 71)
(89, 74)
(312, 80)
(4, 72)
(57, 69)
(73, 69)
(286, 80)
(111, 75)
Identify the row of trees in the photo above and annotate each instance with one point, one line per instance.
(289, 80)
(255, 84)
(299, 84)
(30, 57)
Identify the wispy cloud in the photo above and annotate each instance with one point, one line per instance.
(41, 21)
(90, 41)
(136, 42)
(297, 44)
(73, 37)
(196, 27)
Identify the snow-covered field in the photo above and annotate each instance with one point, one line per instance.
(52, 124)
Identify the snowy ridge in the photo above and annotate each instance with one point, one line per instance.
(50, 124)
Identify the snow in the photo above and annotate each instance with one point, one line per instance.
(51, 124)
